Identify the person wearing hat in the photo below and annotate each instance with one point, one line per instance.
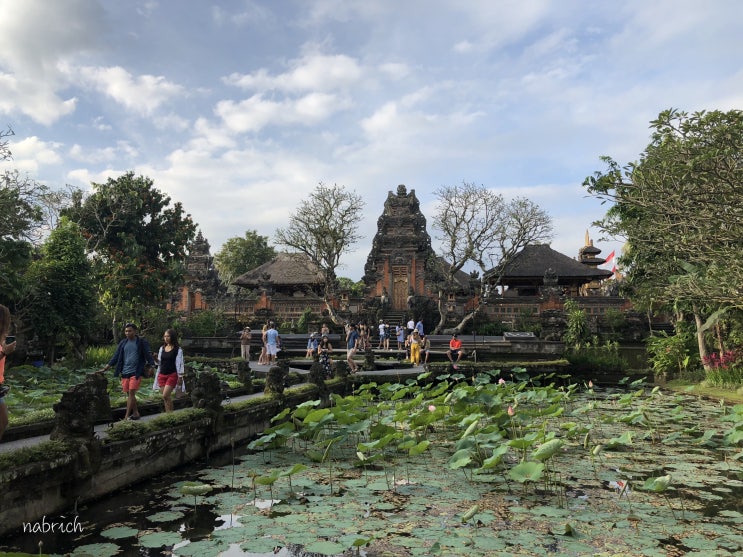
(312, 343)
(455, 349)
(245, 343)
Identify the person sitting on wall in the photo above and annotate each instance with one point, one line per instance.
(312, 343)
(455, 349)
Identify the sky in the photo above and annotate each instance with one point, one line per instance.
(239, 109)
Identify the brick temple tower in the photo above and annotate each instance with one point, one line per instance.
(396, 266)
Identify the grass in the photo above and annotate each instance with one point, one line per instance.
(700, 389)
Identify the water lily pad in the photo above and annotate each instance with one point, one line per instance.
(202, 547)
(159, 539)
(324, 548)
(118, 532)
(96, 550)
(166, 516)
(263, 544)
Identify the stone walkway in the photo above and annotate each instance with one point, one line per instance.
(101, 430)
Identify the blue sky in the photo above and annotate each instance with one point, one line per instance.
(239, 108)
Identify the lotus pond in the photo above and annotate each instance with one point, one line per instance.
(459, 466)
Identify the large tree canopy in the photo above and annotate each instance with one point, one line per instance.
(240, 255)
(62, 302)
(20, 229)
(680, 210)
(138, 242)
(680, 207)
(478, 226)
(324, 228)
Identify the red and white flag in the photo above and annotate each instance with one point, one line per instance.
(609, 257)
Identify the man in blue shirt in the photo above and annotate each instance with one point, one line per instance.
(130, 358)
(273, 340)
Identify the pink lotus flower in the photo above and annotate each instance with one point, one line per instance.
(590, 384)
(511, 411)
(501, 381)
(431, 408)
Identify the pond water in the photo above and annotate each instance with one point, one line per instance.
(630, 472)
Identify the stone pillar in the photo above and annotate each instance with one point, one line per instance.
(244, 373)
(369, 363)
(207, 392)
(80, 408)
(275, 381)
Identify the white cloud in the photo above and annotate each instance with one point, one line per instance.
(141, 94)
(314, 72)
(255, 113)
(37, 38)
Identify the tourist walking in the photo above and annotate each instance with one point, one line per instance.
(131, 356)
(273, 342)
(352, 339)
(382, 335)
(263, 358)
(170, 368)
(324, 349)
(245, 338)
(400, 337)
(7, 347)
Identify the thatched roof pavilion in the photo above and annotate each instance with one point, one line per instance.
(287, 272)
(526, 270)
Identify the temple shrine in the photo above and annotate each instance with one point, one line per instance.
(397, 264)
(400, 275)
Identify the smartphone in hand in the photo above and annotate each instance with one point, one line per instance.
(9, 339)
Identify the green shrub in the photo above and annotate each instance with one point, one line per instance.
(600, 358)
(98, 356)
(671, 355)
(32, 417)
(577, 333)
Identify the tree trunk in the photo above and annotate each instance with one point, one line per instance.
(442, 316)
(700, 338)
(332, 313)
(467, 318)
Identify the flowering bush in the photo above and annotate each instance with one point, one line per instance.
(724, 369)
(724, 359)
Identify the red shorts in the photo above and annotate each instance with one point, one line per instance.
(169, 379)
(130, 383)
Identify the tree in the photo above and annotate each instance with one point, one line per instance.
(19, 230)
(680, 210)
(479, 226)
(240, 255)
(324, 228)
(62, 302)
(5, 153)
(137, 240)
